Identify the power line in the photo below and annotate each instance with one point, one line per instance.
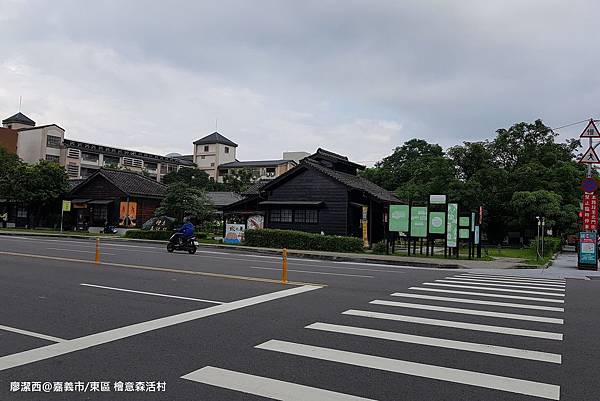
(570, 125)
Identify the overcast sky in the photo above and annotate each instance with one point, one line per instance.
(356, 77)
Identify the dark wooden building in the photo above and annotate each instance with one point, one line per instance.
(115, 197)
(324, 193)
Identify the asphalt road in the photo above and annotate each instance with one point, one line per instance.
(219, 326)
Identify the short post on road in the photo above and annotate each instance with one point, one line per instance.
(97, 250)
(284, 266)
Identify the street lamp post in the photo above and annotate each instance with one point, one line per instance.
(537, 241)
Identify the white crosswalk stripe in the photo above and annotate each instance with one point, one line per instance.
(439, 342)
(509, 384)
(484, 294)
(478, 302)
(494, 289)
(522, 278)
(265, 387)
(474, 312)
(481, 280)
(494, 285)
(458, 325)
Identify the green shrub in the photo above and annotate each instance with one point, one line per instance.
(269, 238)
(551, 245)
(156, 235)
(379, 247)
(148, 234)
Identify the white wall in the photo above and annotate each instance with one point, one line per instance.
(29, 145)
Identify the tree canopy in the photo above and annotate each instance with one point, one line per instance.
(520, 174)
(183, 200)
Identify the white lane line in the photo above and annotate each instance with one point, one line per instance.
(457, 325)
(50, 351)
(78, 251)
(439, 342)
(482, 280)
(485, 294)
(477, 301)
(473, 312)
(277, 259)
(345, 268)
(483, 284)
(495, 289)
(265, 387)
(310, 272)
(33, 334)
(152, 293)
(523, 278)
(503, 383)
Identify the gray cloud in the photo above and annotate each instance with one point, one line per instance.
(359, 77)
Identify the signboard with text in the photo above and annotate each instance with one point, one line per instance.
(452, 225)
(588, 250)
(437, 222)
(399, 219)
(418, 221)
(590, 211)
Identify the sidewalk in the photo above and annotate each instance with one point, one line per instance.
(499, 263)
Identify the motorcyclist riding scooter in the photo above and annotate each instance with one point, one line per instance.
(183, 239)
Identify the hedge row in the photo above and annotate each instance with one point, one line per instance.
(269, 238)
(155, 235)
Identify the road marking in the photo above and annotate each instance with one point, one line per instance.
(265, 387)
(440, 342)
(277, 259)
(153, 293)
(473, 312)
(311, 272)
(477, 301)
(78, 344)
(79, 251)
(485, 294)
(482, 280)
(495, 289)
(160, 269)
(458, 325)
(344, 268)
(485, 380)
(33, 334)
(523, 278)
(501, 285)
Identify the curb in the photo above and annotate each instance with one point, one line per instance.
(263, 251)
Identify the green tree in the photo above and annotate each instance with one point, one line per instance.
(191, 176)
(41, 186)
(183, 200)
(9, 164)
(238, 180)
(527, 205)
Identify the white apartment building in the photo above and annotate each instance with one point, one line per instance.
(214, 154)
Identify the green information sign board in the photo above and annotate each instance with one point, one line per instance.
(452, 232)
(437, 223)
(464, 221)
(418, 221)
(399, 218)
(463, 233)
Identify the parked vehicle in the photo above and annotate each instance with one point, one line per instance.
(110, 230)
(178, 243)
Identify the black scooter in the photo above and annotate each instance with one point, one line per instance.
(177, 243)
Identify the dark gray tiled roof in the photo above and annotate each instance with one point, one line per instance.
(353, 181)
(19, 118)
(74, 182)
(215, 137)
(130, 183)
(187, 159)
(254, 189)
(220, 199)
(255, 163)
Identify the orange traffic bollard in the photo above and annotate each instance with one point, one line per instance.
(97, 250)
(284, 267)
